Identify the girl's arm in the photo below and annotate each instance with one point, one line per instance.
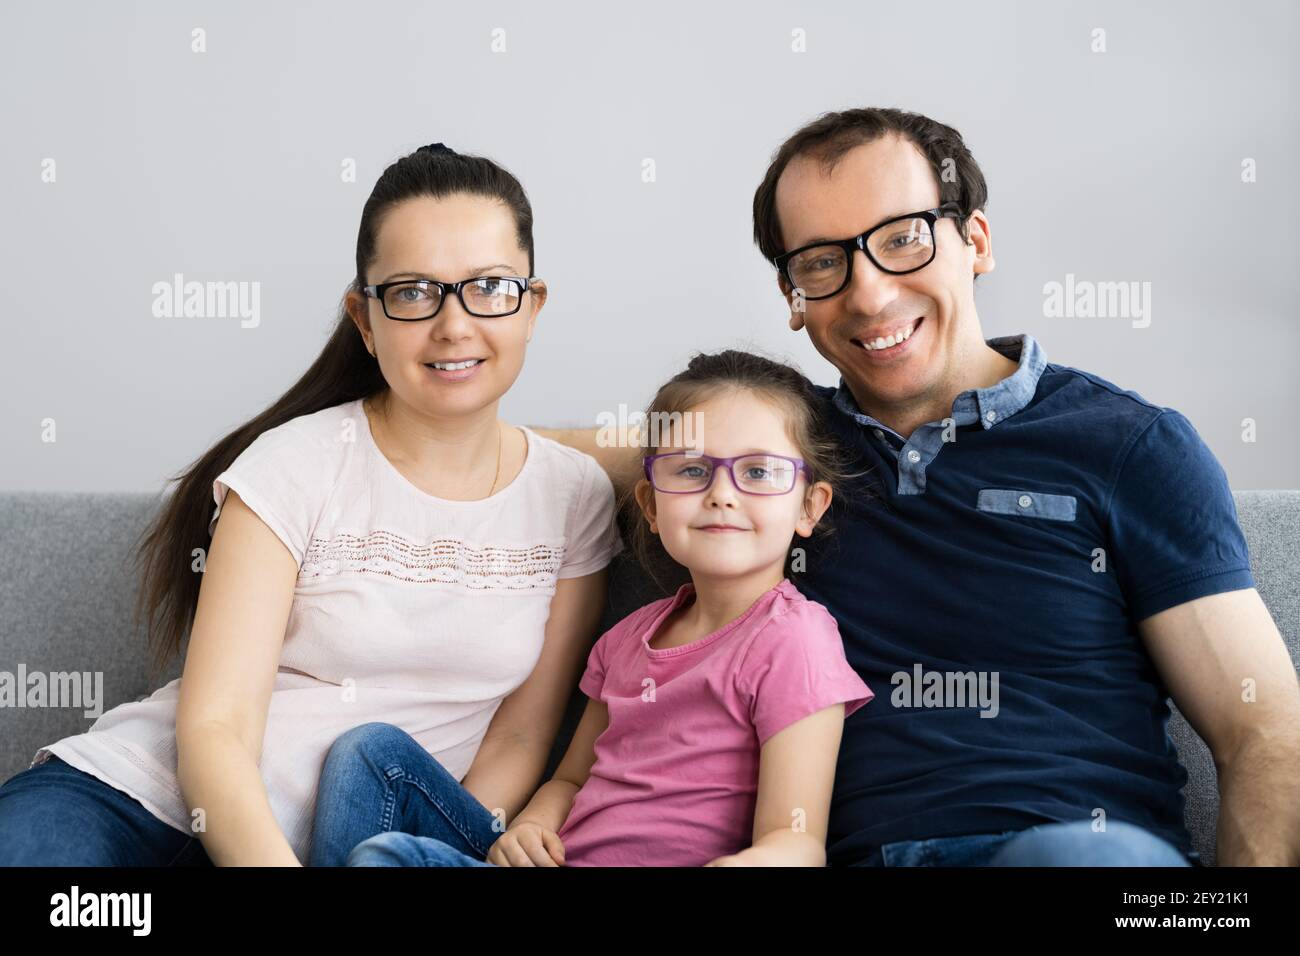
(512, 756)
(230, 668)
(795, 778)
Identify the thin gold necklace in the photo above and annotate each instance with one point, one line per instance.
(496, 477)
(498, 474)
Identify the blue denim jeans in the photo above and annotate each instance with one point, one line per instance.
(382, 796)
(1048, 844)
(384, 801)
(56, 815)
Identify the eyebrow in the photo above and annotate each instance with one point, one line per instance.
(476, 271)
(854, 236)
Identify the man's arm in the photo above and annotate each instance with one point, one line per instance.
(620, 456)
(1228, 670)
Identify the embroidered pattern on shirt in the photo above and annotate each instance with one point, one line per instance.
(446, 560)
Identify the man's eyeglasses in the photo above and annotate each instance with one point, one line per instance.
(899, 246)
(684, 473)
(410, 300)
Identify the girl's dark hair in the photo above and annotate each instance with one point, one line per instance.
(343, 372)
(709, 376)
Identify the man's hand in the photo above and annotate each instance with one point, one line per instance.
(527, 844)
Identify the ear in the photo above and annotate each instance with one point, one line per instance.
(815, 503)
(357, 305)
(645, 498)
(981, 236)
(538, 290)
(787, 291)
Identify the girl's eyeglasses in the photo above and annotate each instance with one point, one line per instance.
(688, 472)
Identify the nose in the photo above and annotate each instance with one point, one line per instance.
(871, 289)
(722, 491)
(452, 321)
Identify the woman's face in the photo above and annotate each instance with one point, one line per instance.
(736, 423)
(448, 239)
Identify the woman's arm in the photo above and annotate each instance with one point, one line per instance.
(230, 668)
(512, 757)
(550, 806)
(795, 778)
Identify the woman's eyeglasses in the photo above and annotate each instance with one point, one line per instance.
(410, 300)
(684, 473)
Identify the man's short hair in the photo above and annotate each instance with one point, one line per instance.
(831, 135)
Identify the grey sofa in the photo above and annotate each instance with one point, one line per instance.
(67, 591)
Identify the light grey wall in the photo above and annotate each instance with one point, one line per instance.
(1123, 165)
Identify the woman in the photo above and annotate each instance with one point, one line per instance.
(384, 548)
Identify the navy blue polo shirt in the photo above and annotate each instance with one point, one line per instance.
(988, 573)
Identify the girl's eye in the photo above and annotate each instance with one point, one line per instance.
(757, 473)
(692, 471)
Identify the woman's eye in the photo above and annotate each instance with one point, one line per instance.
(412, 289)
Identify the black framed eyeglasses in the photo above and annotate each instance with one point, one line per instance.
(900, 245)
(411, 300)
(689, 472)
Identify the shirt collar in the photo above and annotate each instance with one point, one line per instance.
(999, 401)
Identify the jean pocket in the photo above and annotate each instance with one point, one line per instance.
(1027, 504)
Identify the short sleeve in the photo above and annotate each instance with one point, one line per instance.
(593, 678)
(592, 537)
(277, 478)
(1172, 521)
(592, 682)
(796, 667)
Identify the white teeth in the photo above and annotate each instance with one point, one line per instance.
(891, 341)
(456, 366)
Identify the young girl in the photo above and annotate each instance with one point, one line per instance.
(714, 720)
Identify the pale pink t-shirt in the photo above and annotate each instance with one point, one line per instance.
(408, 609)
(675, 780)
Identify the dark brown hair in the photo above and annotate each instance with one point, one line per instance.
(709, 376)
(831, 135)
(343, 372)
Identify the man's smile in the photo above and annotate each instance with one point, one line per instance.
(891, 341)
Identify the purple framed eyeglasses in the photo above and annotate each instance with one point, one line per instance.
(685, 473)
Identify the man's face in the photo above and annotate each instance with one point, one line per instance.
(871, 183)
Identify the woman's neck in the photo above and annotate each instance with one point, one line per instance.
(461, 452)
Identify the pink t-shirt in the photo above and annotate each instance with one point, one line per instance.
(675, 778)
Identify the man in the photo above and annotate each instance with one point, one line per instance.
(1034, 561)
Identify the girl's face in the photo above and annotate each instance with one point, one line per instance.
(448, 239)
(736, 423)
